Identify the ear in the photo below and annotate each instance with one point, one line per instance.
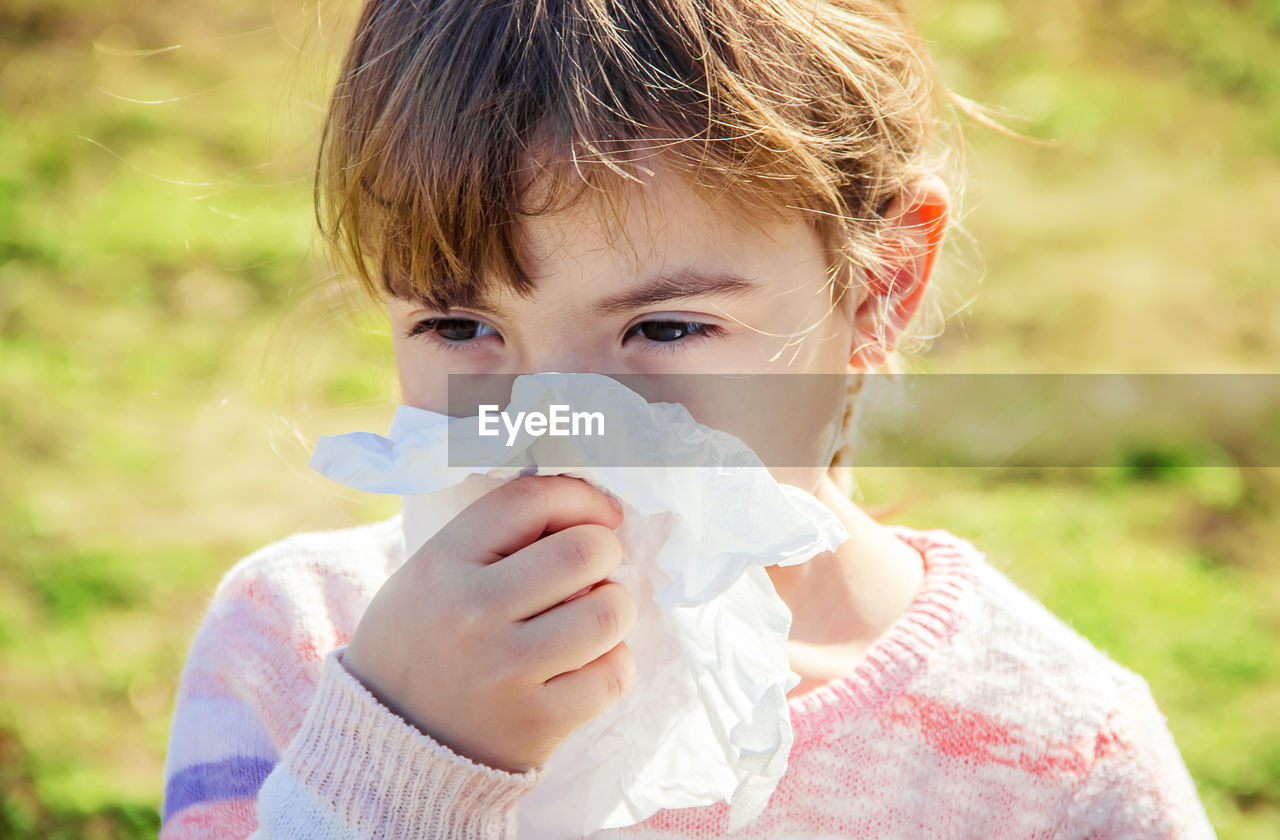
(917, 218)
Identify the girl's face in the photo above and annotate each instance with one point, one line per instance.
(681, 288)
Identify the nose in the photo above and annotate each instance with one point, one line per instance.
(562, 360)
(562, 367)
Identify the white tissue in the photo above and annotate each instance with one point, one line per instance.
(706, 719)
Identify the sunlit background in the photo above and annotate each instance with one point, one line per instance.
(168, 352)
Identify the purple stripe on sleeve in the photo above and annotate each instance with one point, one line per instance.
(215, 781)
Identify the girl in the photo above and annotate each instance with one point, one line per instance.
(647, 186)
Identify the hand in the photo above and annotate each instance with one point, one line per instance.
(501, 636)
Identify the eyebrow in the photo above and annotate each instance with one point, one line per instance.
(687, 282)
(684, 283)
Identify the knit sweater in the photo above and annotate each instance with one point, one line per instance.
(977, 714)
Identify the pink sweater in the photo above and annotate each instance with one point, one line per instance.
(977, 714)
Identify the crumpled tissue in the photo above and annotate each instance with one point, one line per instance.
(706, 719)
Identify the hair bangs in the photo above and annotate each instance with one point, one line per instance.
(454, 119)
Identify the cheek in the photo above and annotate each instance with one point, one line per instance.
(787, 419)
(831, 344)
(422, 385)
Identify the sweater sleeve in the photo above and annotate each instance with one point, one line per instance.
(273, 738)
(1139, 786)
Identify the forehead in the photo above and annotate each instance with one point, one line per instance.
(649, 244)
(658, 215)
(582, 229)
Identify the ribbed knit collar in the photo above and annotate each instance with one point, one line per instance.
(903, 649)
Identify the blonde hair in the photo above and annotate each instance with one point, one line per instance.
(445, 111)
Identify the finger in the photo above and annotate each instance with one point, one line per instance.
(510, 517)
(578, 696)
(554, 568)
(570, 635)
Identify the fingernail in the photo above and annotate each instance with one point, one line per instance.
(617, 505)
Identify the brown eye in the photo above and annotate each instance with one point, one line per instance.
(665, 331)
(457, 329)
(452, 330)
(672, 336)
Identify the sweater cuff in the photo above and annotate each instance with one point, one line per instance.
(384, 777)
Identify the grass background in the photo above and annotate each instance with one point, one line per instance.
(167, 352)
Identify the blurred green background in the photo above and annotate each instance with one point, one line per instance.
(168, 353)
